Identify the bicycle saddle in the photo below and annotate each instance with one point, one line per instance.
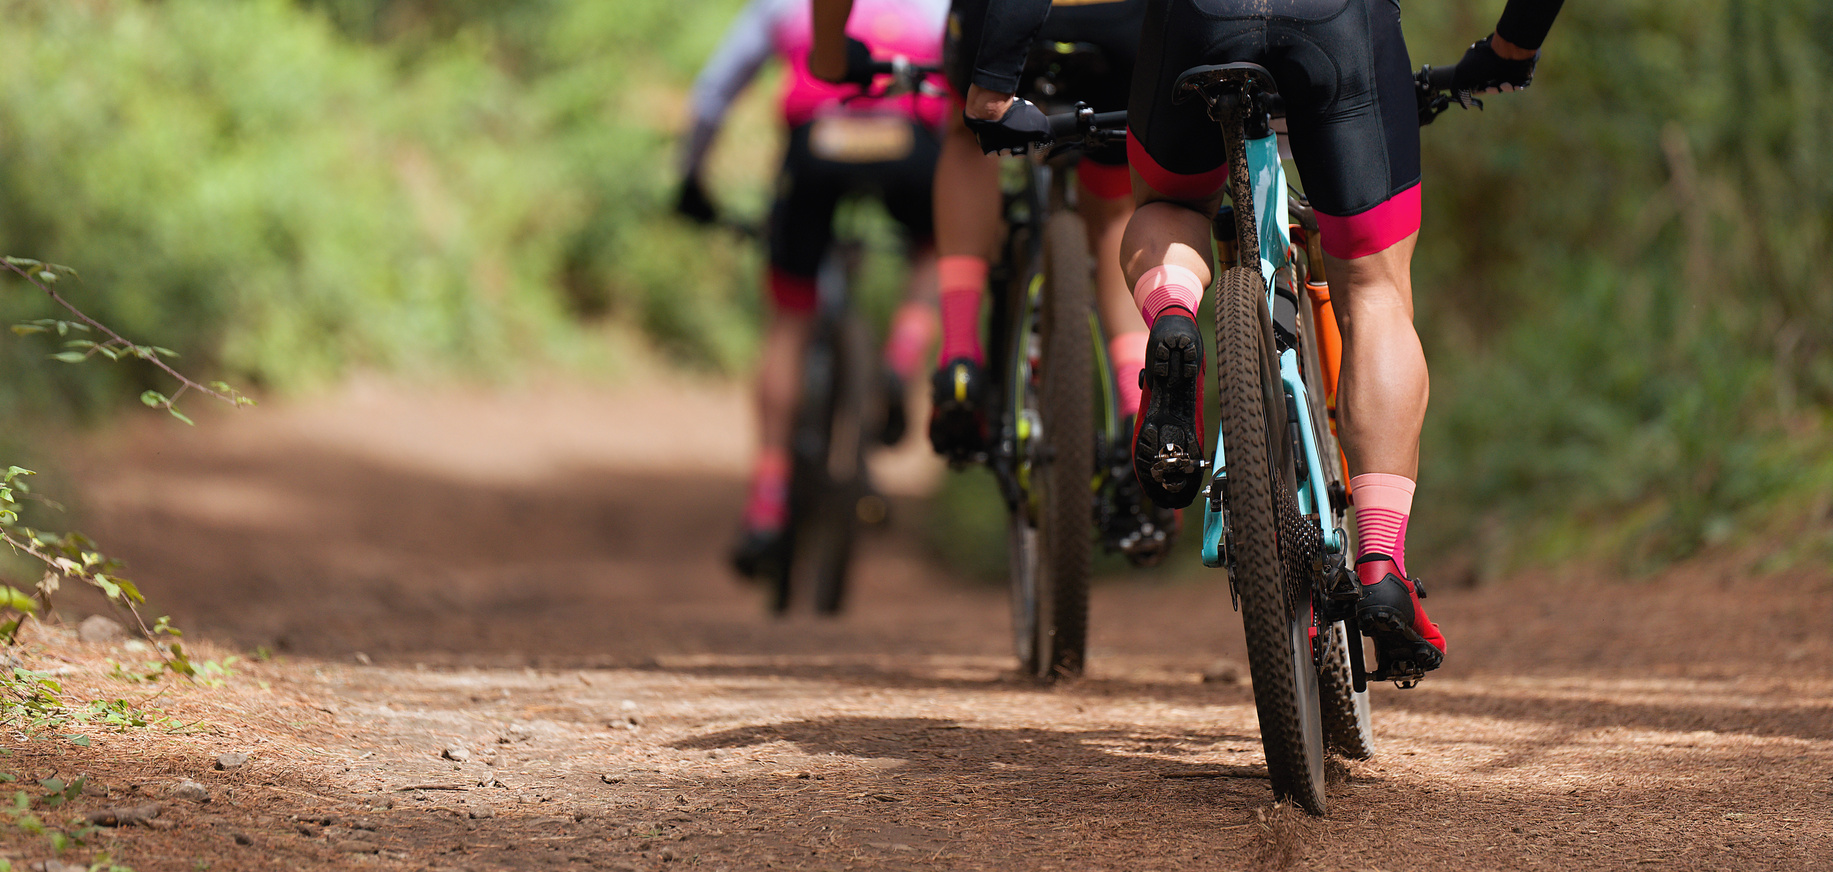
(1207, 81)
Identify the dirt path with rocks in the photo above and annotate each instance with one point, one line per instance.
(506, 640)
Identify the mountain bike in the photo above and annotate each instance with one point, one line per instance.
(1275, 504)
(1058, 442)
(840, 413)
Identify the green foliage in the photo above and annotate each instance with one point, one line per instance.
(295, 190)
(1623, 288)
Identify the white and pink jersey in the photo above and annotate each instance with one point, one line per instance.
(911, 28)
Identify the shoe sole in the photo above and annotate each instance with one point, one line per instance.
(1167, 449)
(1400, 652)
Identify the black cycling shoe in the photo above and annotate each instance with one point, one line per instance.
(1139, 529)
(1168, 439)
(896, 423)
(1407, 643)
(758, 553)
(957, 424)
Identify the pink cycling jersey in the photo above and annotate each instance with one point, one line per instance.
(784, 28)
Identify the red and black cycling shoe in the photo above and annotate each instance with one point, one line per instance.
(957, 421)
(1407, 643)
(1168, 436)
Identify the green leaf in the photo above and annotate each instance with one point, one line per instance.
(181, 416)
(70, 356)
(132, 591)
(154, 399)
(11, 598)
(80, 741)
(164, 352)
(28, 329)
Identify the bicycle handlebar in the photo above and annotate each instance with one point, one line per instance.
(1432, 87)
(906, 78)
(1086, 125)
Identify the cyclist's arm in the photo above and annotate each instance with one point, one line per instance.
(747, 45)
(1523, 27)
(827, 54)
(1005, 41)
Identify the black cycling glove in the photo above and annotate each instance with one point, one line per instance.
(692, 202)
(858, 64)
(1482, 70)
(1022, 125)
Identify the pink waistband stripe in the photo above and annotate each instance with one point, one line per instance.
(1373, 231)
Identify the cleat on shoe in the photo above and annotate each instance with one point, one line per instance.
(1168, 434)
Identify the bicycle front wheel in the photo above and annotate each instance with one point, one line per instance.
(828, 479)
(1276, 608)
(1053, 527)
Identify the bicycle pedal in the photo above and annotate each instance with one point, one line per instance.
(1173, 461)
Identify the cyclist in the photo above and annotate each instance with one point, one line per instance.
(967, 197)
(1342, 67)
(839, 143)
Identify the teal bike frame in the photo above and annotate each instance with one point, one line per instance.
(1269, 187)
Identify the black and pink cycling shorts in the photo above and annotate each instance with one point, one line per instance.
(1343, 71)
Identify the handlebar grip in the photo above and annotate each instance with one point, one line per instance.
(1440, 77)
(1109, 119)
(1063, 126)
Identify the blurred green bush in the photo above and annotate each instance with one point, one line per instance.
(290, 199)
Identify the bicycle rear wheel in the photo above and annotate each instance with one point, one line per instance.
(1276, 608)
(828, 476)
(1347, 726)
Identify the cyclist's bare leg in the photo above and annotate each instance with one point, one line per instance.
(966, 195)
(1381, 406)
(1167, 232)
(1165, 255)
(1106, 221)
(966, 206)
(778, 386)
(1381, 393)
(915, 324)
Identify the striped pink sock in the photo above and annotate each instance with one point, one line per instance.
(963, 281)
(1165, 286)
(1382, 503)
(1128, 352)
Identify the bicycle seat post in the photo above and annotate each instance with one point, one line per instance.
(1237, 95)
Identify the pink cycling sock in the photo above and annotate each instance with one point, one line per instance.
(1128, 352)
(1382, 503)
(767, 507)
(1165, 286)
(963, 281)
(913, 330)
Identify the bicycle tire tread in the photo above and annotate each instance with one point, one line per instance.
(1253, 513)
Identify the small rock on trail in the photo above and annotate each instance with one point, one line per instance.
(230, 761)
(100, 629)
(190, 790)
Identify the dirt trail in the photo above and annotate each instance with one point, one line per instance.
(536, 579)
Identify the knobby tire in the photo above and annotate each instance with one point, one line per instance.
(1259, 468)
(1066, 406)
(1347, 727)
(828, 478)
